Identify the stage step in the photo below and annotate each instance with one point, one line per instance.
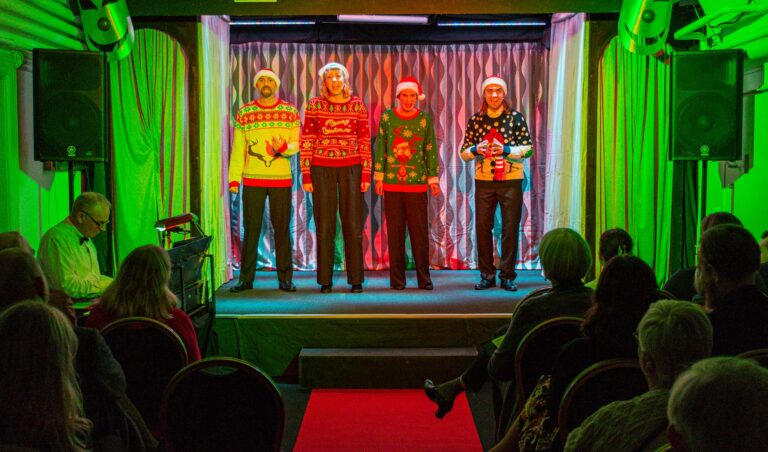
(380, 367)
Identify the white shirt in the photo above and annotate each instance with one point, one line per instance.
(69, 265)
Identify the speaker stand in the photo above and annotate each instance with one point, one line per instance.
(71, 177)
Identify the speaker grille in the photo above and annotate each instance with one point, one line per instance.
(69, 105)
(706, 105)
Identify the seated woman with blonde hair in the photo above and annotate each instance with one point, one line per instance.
(141, 290)
(41, 405)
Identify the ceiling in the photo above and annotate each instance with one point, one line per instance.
(239, 8)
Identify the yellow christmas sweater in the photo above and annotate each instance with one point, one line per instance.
(254, 159)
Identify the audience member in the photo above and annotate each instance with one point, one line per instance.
(764, 257)
(13, 239)
(625, 289)
(41, 406)
(100, 376)
(728, 258)
(719, 405)
(67, 254)
(680, 284)
(565, 259)
(671, 336)
(141, 290)
(613, 242)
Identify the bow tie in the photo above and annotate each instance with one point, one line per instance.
(83, 240)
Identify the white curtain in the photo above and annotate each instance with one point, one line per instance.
(566, 126)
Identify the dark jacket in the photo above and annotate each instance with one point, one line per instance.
(740, 322)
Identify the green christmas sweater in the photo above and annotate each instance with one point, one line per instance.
(406, 152)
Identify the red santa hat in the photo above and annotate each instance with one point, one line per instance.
(494, 80)
(266, 72)
(411, 83)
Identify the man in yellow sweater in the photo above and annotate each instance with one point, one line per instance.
(266, 136)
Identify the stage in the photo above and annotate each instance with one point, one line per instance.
(270, 327)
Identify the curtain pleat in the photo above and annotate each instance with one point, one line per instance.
(450, 77)
(634, 178)
(149, 109)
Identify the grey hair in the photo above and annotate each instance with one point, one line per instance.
(676, 334)
(88, 200)
(721, 404)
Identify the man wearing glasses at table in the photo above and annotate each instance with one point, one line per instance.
(67, 254)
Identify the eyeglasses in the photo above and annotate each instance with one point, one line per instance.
(101, 224)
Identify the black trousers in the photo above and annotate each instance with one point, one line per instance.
(337, 189)
(407, 210)
(509, 195)
(254, 199)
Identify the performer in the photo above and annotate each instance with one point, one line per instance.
(497, 138)
(266, 136)
(405, 163)
(67, 254)
(336, 168)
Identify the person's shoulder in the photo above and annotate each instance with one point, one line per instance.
(285, 105)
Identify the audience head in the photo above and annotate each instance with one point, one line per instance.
(20, 277)
(719, 404)
(728, 257)
(335, 80)
(38, 387)
(13, 239)
(614, 242)
(672, 335)
(141, 286)
(718, 218)
(90, 213)
(764, 248)
(565, 256)
(625, 289)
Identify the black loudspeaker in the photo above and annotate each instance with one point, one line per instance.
(706, 105)
(69, 105)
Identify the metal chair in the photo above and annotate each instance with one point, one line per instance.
(222, 404)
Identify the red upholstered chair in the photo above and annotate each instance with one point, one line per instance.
(222, 404)
(596, 386)
(151, 353)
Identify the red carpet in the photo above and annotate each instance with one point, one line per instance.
(384, 420)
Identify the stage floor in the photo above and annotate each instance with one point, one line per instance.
(454, 295)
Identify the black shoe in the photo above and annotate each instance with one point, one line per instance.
(356, 288)
(241, 286)
(287, 286)
(508, 285)
(485, 284)
(326, 288)
(443, 405)
(427, 286)
(398, 287)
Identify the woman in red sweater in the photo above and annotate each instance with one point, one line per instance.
(141, 290)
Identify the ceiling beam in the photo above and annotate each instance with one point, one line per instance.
(333, 7)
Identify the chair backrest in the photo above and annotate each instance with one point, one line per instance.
(596, 386)
(222, 404)
(760, 355)
(538, 349)
(666, 295)
(150, 353)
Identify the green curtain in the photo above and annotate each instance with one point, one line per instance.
(214, 140)
(149, 119)
(634, 177)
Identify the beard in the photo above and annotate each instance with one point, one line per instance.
(266, 91)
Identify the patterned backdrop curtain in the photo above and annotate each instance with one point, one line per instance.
(634, 177)
(149, 109)
(450, 76)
